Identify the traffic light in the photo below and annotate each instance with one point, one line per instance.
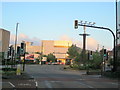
(18, 50)
(10, 50)
(22, 51)
(107, 56)
(76, 24)
(90, 52)
(22, 45)
(104, 52)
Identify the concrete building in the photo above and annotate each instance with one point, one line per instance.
(58, 48)
(31, 49)
(4, 42)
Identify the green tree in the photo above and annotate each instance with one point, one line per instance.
(97, 61)
(51, 57)
(73, 51)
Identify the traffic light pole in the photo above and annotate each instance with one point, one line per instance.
(24, 63)
(114, 49)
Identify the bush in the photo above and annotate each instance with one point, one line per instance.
(9, 69)
(112, 74)
(9, 73)
(76, 66)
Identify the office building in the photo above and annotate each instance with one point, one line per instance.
(4, 43)
(57, 48)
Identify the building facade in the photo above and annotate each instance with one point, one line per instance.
(57, 48)
(118, 22)
(4, 43)
(31, 49)
(118, 34)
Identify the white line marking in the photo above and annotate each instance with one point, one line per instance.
(11, 84)
(36, 84)
(115, 83)
(86, 85)
(55, 81)
(48, 84)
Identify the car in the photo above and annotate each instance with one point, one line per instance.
(49, 63)
(54, 63)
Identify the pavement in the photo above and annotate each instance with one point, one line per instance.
(54, 76)
(18, 82)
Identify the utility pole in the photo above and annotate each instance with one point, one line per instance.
(84, 44)
(41, 53)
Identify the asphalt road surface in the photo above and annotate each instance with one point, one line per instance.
(54, 76)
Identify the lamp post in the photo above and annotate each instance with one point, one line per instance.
(104, 28)
(15, 42)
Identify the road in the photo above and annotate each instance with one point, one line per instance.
(54, 76)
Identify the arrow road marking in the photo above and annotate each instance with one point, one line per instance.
(11, 84)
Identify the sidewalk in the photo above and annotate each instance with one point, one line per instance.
(22, 76)
(18, 81)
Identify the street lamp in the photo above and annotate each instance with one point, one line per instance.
(15, 42)
(114, 48)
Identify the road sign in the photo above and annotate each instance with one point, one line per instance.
(91, 57)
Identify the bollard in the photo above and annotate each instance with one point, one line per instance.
(18, 72)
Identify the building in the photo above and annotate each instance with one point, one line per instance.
(118, 34)
(57, 48)
(118, 22)
(4, 43)
(31, 49)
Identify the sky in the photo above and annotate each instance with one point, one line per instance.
(55, 21)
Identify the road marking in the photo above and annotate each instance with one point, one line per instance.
(24, 84)
(86, 85)
(48, 84)
(11, 84)
(55, 81)
(80, 79)
(115, 83)
(36, 83)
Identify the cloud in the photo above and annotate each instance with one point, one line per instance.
(91, 43)
(23, 37)
(66, 38)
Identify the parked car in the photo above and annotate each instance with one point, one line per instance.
(49, 63)
(54, 63)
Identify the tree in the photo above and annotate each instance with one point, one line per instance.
(37, 53)
(51, 57)
(73, 51)
(97, 60)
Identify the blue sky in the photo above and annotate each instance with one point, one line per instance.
(51, 20)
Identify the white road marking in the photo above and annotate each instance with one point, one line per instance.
(24, 84)
(80, 79)
(86, 85)
(48, 84)
(11, 84)
(115, 83)
(55, 81)
(36, 83)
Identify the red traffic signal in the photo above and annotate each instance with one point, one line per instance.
(76, 24)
